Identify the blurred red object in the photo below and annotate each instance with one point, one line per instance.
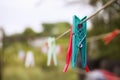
(87, 69)
(107, 39)
(101, 75)
(110, 76)
(69, 52)
(46, 44)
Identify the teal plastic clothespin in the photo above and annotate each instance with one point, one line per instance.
(79, 41)
(51, 51)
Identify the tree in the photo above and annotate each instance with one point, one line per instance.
(100, 26)
(55, 29)
(29, 32)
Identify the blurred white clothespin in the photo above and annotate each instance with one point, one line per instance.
(51, 51)
(29, 61)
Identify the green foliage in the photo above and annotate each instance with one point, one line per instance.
(47, 29)
(54, 29)
(94, 2)
(14, 68)
(29, 32)
(111, 50)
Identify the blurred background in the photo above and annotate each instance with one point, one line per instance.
(25, 26)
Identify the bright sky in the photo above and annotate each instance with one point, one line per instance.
(16, 15)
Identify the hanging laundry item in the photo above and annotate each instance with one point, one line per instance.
(107, 39)
(29, 60)
(51, 51)
(79, 41)
(21, 55)
(69, 52)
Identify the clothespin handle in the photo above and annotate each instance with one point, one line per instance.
(69, 52)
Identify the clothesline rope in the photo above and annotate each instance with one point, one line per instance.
(104, 6)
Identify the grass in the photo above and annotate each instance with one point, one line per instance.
(14, 68)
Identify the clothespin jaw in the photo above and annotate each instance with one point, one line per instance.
(79, 41)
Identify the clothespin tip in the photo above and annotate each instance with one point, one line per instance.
(65, 68)
(87, 69)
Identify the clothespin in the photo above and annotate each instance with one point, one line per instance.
(79, 41)
(107, 39)
(51, 51)
(69, 52)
